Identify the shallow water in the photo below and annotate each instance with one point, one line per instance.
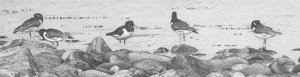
(221, 23)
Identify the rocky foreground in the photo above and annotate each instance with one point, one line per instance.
(26, 58)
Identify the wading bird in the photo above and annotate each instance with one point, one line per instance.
(263, 32)
(31, 25)
(181, 27)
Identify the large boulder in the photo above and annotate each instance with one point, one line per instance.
(98, 46)
(183, 49)
(47, 60)
(64, 70)
(190, 66)
(78, 55)
(16, 59)
(121, 65)
(34, 46)
(282, 65)
(256, 69)
(227, 63)
(135, 57)
(161, 50)
(123, 73)
(118, 55)
(150, 66)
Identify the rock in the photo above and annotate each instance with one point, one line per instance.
(190, 66)
(296, 69)
(47, 60)
(261, 75)
(215, 74)
(234, 60)
(223, 56)
(14, 59)
(122, 55)
(135, 57)
(115, 59)
(234, 52)
(169, 73)
(259, 58)
(7, 73)
(123, 73)
(122, 65)
(115, 68)
(93, 73)
(183, 49)
(282, 65)
(227, 63)
(79, 65)
(98, 46)
(150, 66)
(34, 46)
(269, 52)
(45, 74)
(237, 74)
(91, 59)
(256, 69)
(161, 50)
(64, 70)
(140, 73)
(238, 67)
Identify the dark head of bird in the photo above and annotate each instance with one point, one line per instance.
(174, 17)
(39, 16)
(255, 23)
(129, 23)
(41, 32)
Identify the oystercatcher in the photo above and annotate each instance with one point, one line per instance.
(181, 27)
(123, 32)
(31, 25)
(53, 35)
(263, 32)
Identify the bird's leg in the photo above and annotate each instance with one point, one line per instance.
(265, 44)
(30, 34)
(124, 42)
(120, 41)
(180, 36)
(183, 37)
(56, 43)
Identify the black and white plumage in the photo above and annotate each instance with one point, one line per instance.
(31, 24)
(53, 35)
(123, 32)
(181, 27)
(263, 32)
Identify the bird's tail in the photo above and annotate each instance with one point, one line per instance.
(277, 33)
(109, 34)
(195, 31)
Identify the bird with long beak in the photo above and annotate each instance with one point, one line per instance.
(181, 27)
(54, 35)
(263, 32)
(123, 32)
(31, 25)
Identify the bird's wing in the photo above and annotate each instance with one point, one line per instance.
(118, 31)
(181, 25)
(32, 22)
(52, 33)
(264, 29)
